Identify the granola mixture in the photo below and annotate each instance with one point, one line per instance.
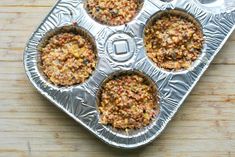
(173, 42)
(68, 59)
(127, 102)
(112, 12)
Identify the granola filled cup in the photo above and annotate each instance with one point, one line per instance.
(173, 40)
(128, 101)
(113, 12)
(67, 56)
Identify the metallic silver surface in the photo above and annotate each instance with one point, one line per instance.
(121, 48)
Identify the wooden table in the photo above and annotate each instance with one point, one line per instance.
(32, 126)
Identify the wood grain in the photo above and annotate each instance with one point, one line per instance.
(31, 126)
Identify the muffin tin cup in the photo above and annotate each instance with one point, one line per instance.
(189, 17)
(120, 49)
(140, 4)
(150, 82)
(73, 29)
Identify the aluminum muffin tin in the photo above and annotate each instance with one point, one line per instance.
(120, 49)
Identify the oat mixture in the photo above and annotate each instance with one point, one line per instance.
(68, 59)
(173, 42)
(127, 102)
(113, 12)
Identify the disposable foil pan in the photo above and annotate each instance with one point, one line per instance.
(217, 20)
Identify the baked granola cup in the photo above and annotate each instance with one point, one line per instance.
(173, 40)
(69, 50)
(138, 95)
(113, 12)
